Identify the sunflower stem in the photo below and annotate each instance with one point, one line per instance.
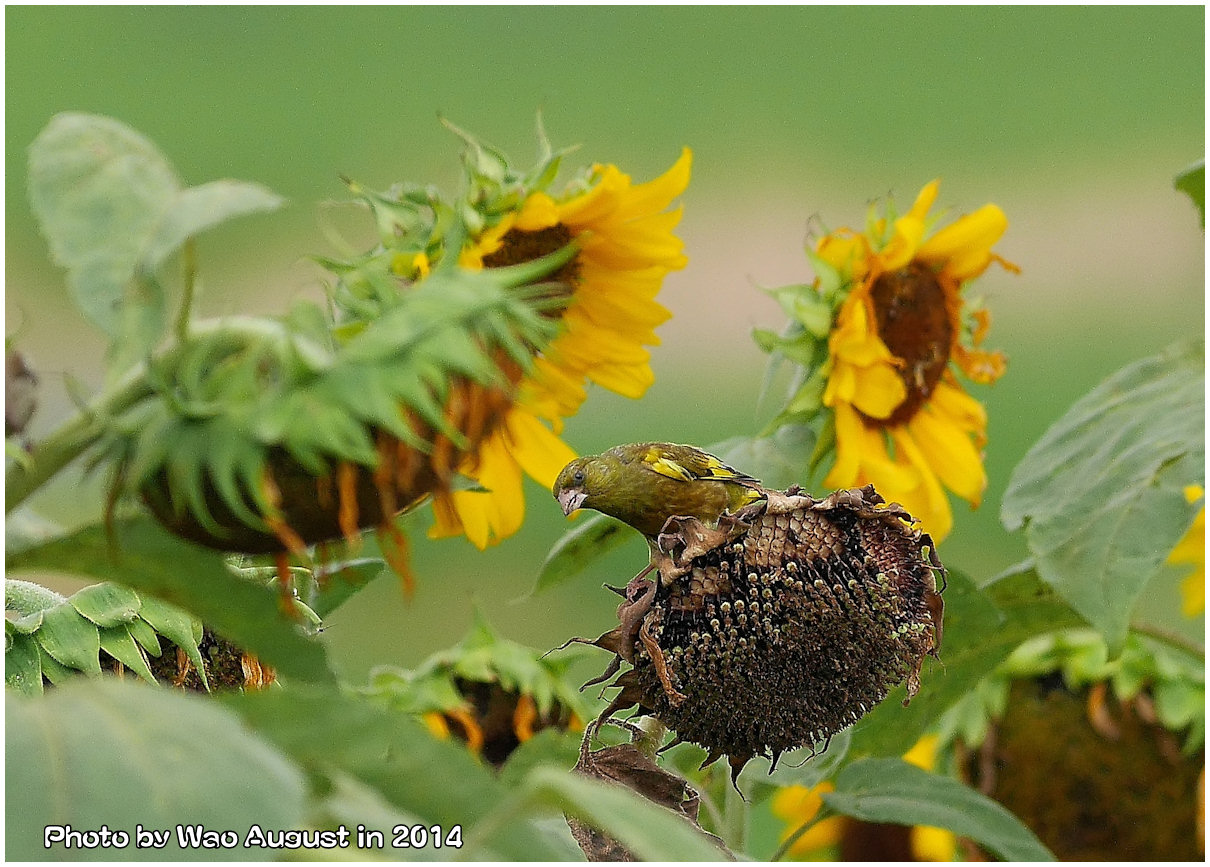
(189, 284)
(25, 597)
(72, 439)
(1163, 636)
(652, 738)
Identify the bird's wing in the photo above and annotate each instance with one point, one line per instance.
(687, 464)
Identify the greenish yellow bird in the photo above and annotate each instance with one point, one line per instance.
(645, 484)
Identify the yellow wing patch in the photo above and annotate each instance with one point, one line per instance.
(666, 467)
(695, 465)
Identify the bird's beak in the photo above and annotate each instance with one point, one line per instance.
(570, 499)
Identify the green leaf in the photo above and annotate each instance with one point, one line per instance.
(551, 747)
(143, 555)
(891, 790)
(120, 754)
(22, 663)
(578, 547)
(113, 209)
(203, 207)
(54, 671)
(438, 781)
(650, 832)
(175, 625)
(337, 583)
(70, 639)
(118, 643)
(142, 632)
(778, 460)
(107, 604)
(1101, 493)
(981, 628)
(100, 191)
(1192, 182)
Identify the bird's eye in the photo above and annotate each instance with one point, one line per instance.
(578, 478)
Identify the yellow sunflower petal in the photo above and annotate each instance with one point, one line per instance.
(446, 521)
(854, 339)
(538, 212)
(909, 230)
(947, 449)
(927, 503)
(540, 453)
(486, 244)
(595, 344)
(554, 390)
(1191, 551)
(963, 248)
(846, 251)
(862, 457)
(658, 193)
(627, 318)
(598, 202)
(491, 515)
(980, 365)
(796, 805)
(436, 725)
(628, 380)
(879, 391)
(933, 844)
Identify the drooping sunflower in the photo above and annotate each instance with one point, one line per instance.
(623, 233)
(440, 369)
(486, 691)
(903, 421)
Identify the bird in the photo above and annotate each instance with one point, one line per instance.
(645, 484)
(683, 500)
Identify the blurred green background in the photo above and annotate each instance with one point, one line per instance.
(1073, 120)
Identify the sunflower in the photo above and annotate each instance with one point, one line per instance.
(623, 233)
(488, 692)
(903, 421)
(1191, 551)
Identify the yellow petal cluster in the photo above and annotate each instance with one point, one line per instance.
(626, 247)
(911, 460)
(1191, 551)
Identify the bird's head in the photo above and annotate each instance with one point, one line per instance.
(577, 483)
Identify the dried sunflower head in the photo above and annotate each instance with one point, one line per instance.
(784, 634)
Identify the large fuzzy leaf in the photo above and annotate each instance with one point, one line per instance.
(113, 209)
(334, 734)
(1101, 494)
(113, 753)
(891, 790)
